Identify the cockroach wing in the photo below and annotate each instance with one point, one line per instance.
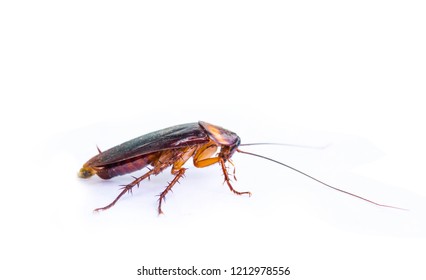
(165, 139)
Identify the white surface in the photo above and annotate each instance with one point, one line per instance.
(95, 73)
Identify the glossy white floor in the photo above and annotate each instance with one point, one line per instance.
(95, 73)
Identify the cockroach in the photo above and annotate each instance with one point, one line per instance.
(206, 143)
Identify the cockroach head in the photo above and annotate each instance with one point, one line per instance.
(226, 139)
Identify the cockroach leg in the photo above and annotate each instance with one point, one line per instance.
(127, 188)
(233, 173)
(227, 180)
(162, 196)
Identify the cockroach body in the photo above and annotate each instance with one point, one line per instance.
(206, 143)
(172, 146)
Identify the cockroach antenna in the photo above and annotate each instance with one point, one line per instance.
(319, 181)
(286, 144)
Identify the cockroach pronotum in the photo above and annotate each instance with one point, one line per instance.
(206, 143)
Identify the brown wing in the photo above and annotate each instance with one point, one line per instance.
(169, 138)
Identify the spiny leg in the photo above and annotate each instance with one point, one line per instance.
(233, 173)
(127, 188)
(227, 180)
(179, 174)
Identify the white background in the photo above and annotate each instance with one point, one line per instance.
(84, 73)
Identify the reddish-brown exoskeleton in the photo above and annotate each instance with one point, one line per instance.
(207, 144)
(168, 147)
